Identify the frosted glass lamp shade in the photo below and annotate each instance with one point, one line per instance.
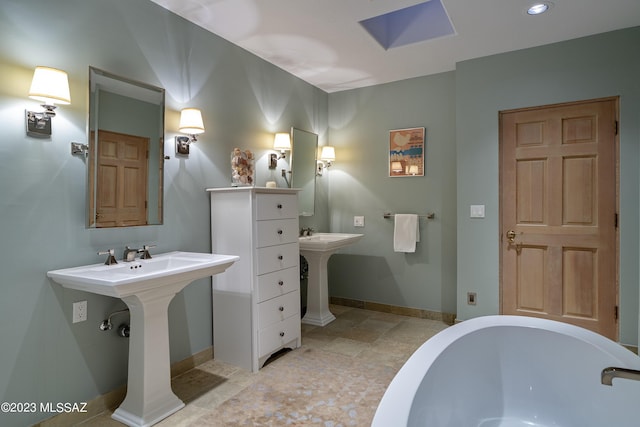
(282, 142)
(50, 86)
(396, 166)
(191, 121)
(328, 153)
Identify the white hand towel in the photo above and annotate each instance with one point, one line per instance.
(406, 233)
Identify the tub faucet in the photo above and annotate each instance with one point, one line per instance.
(608, 374)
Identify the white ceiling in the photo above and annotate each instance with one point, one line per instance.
(322, 42)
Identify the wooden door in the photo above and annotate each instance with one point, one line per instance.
(558, 196)
(121, 186)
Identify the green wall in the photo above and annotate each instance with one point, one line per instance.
(592, 67)
(244, 100)
(359, 184)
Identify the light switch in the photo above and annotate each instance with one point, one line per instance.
(477, 211)
(358, 221)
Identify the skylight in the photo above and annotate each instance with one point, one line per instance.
(422, 22)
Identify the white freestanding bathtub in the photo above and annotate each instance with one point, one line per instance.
(512, 371)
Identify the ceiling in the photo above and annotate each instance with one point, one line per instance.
(323, 43)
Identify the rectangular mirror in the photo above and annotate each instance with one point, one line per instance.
(304, 147)
(126, 151)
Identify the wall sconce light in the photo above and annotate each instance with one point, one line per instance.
(327, 157)
(282, 142)
(396, 167)
(413, 170)
(79, 149)
(190, 123)
(50, 86)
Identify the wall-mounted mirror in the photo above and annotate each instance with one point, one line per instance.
(126, 151)
(304, 147)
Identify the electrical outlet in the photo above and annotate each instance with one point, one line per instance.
(79, 311)
(358, 221)
(471, 298)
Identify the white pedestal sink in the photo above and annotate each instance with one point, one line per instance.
(147, 287)
(317, 249)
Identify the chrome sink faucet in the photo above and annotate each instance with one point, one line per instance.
(129, 254)
(608, 374)
(306, 231)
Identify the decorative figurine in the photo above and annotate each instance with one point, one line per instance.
(241, 167)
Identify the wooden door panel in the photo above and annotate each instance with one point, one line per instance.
(531, 281)
(558, 191)
(132, 151)
(108, 148)
(531, 183)
(107, 181)
(530, 134)
(579, 184)
(580, 294)
(131, 177)
(577, 130)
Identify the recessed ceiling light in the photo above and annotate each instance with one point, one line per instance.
(538, 8)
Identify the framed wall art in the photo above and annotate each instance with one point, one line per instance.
(406, 152)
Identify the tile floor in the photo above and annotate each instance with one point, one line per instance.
(370, 342)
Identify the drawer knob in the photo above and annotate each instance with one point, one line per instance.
(281, 334)
(280, 282)
(279, 205)
(281, 308)
(280, 257)
(280, 232)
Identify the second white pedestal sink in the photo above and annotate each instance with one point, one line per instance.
(147, 287)
(317, 249)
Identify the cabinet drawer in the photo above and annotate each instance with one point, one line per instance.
(274, 258)
(277, 309)
(277, 335)
(278, 283)
(277, 232)
(276, 206)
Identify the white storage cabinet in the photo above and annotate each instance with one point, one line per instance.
(256, 302)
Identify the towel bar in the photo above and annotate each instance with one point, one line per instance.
(430, 215)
